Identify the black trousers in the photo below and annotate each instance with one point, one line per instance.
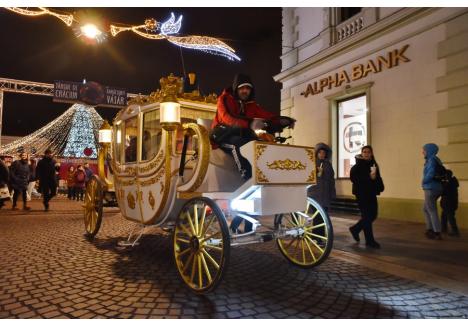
(48, 192)
(232, 145)
(448, 215)
(368, 206)
(16, 195)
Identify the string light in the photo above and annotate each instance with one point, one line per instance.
(67, 19)
(148, 30)
(67, 136)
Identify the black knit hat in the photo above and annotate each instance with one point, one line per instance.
(241, 80)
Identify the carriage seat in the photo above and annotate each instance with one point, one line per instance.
(222, 175)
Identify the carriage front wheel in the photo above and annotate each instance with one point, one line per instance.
(201, 244)
(93, 206)
(307, 235)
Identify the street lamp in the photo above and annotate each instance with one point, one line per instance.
(105, 138)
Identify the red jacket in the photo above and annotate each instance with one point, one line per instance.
(228, 112)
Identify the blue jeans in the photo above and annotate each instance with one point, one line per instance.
(430, 209)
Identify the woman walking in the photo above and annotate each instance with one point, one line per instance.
(432, 190)
(367, 185)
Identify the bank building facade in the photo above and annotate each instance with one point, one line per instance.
(393, 78)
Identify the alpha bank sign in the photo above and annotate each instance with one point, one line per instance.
(373, 66)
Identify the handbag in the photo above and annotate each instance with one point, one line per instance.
(4, 192)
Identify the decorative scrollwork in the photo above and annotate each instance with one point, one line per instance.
(286, 164)
(260, 176)
(259, 149)
(131, 201)
(151, 199)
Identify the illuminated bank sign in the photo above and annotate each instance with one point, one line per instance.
(90, 93)
(373, 66)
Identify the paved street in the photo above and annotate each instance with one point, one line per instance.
(48, 269)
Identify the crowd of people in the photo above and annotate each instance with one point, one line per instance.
(26, 178)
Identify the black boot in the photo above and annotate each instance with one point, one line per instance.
(430, 234)
(373, 245)
(354, 234)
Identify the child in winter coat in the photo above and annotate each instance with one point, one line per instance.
(449, 204)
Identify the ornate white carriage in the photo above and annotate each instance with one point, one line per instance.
(164, 173)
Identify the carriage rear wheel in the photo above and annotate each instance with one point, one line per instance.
(201, 244)
(310, 235)
(93, 206)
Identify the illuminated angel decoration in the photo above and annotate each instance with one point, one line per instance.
(169, 28)
(67, 19)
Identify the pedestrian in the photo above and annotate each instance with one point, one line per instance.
(4, 179)
(71, 194)
(367, 185)
(89, 173)
(80, 182)
(19, 178)
(449, 204)
(432, 186)
(324, 190)
(45, 173)
(32, 179)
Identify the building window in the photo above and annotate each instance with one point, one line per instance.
(346, 13)
(352, 131)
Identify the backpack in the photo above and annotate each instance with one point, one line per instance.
(441, 173)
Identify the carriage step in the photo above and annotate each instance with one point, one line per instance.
(267, 237)
(125, 243)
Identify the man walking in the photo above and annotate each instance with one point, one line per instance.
(19, 178)
(45, 173)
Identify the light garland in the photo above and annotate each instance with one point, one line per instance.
(148, 30)
(67, 19)
(67, 136)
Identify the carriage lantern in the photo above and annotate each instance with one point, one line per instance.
(105, 133)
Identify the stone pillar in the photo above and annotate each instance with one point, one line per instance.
(454, 49)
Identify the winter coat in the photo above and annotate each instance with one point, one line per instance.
(324, 191)
(449, 200)
(45, 172)
(19, 175)
(4, 174)
(428, 181)
(89, 174)
(71, 179)
(363, 185)
(80, 179)
(233, 112)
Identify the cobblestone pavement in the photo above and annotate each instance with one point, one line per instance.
(48, 269)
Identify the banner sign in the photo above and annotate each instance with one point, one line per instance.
(90, 93)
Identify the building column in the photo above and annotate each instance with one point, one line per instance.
(454, 49)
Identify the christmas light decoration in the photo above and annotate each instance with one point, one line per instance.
(70, 135)
(167, 30)
(67, 19)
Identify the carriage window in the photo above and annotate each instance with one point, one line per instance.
(152, 133)
(130, 144)
(118, 143)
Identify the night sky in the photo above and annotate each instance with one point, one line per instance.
(43, 49)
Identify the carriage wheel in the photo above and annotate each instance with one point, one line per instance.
(311, 238)
(93, 206)
(201, 244)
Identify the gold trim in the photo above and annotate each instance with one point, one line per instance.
(204, 154)
(259, 149)
(188, 195)
(152, 180)
(260, 176)
(131, 201)
(286, 164)
(157, 163)
(151, 199)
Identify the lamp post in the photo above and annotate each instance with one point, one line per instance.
(105, 138)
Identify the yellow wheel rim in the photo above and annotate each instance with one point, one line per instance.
(199, 246)
(309, 245)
